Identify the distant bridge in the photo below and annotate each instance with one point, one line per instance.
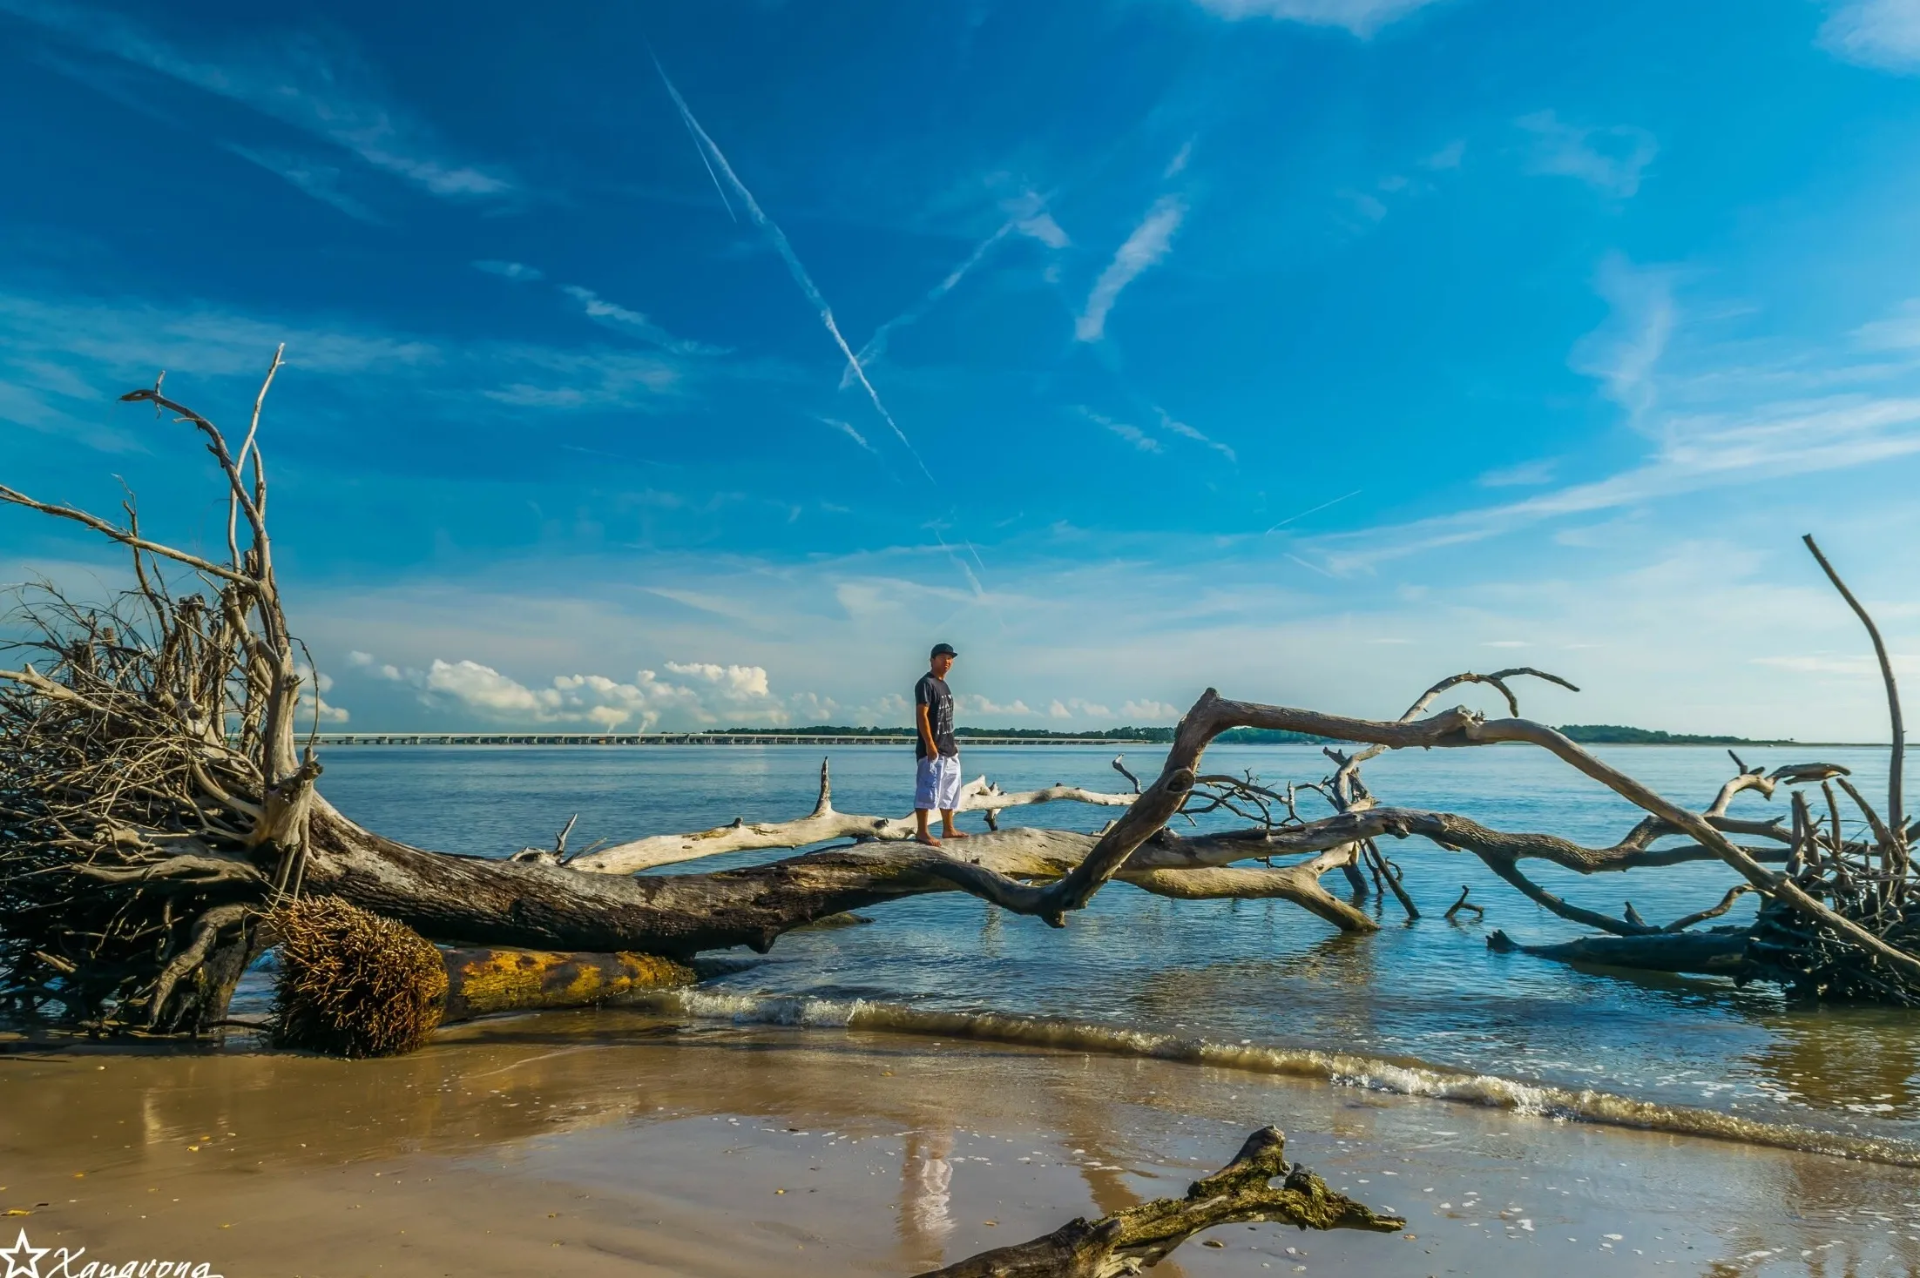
(677, 739)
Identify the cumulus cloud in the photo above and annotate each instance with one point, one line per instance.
(1145, 247)
(692, 694)
(975, 703)
(1149, 711)
(891, 710)
(1075, 708)
(313, 701)
(1609, 159)
(1875, 33)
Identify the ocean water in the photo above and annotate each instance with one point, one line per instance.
(1421, 1007)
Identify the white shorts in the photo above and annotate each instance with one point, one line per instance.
(936, 783)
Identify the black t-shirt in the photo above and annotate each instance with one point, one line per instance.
(932, 693)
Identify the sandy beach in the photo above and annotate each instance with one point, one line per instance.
(615, 1142)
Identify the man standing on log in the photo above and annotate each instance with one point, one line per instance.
(936, 782)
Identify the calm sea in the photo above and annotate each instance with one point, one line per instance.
(1255, 974)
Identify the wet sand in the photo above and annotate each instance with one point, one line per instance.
(615, 1142)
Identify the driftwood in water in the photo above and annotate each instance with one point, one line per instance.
(1128, 1240)
(1716, 953)
(154, 804)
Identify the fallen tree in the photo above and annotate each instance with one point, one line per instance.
(156, 805)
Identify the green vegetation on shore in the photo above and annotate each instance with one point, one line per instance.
(1618, 734)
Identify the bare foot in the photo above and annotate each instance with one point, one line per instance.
(955, 834)
(927, 839)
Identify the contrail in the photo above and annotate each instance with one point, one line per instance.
(877, 344)
(718, 190)
(792, 259)
(1322, 506)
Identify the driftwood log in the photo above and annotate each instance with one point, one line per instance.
(156, 805)
(1136, 1237)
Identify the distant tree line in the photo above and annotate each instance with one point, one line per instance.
(1585, 733)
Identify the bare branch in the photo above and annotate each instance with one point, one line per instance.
(1898, 757)
(122, 535)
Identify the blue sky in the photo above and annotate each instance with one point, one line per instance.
(693, 365)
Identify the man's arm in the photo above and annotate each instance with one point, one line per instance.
(926, 730)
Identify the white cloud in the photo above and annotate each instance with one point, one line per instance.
(1610, 159)
(312, 701)
(1367, 206)
(733, 682)
(975, 703)
(295, 79)
(614, 316)
(1132, 434)
(60, 358)
(1447, 157)
(891, 710)
(1075, 708)
(701, 694)
(310, 176)
(1042, 227)
(1178, 163)
(1623, 351)
(1876, 33)
(1171, 423)
(847, 429)
(1149, 712)
(1362, 17)
(1898, 332)
(482, 687)
(1694, 453)
(1146, 246)
(1519, 475)
(517, 271)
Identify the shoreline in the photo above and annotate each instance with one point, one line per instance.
(631, 1144)
(525, 740)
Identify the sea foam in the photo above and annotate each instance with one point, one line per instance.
(1344, 1069)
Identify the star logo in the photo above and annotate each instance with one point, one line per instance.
(23, 1258)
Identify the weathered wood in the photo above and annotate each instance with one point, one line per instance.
(1718, 953)
(821, 825)
(1139, 1237)
(484, 981)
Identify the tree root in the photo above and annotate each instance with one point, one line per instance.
(352, 983)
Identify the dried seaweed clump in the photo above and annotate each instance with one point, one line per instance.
(352, 983)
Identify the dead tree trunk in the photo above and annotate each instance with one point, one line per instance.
(154, 802)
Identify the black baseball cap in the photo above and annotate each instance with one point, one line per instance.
(942, 650)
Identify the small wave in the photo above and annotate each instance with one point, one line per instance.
(1342, 1069)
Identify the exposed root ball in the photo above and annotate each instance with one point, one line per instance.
(353, 983)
